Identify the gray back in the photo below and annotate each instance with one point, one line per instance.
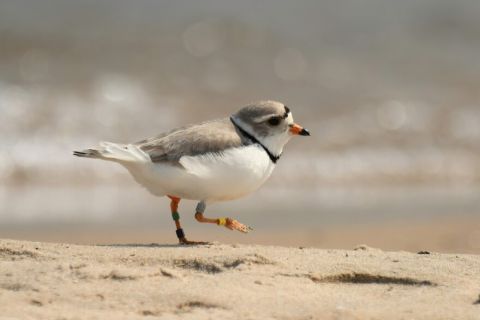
(208, 137)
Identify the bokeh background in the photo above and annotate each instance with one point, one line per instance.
(389, 89)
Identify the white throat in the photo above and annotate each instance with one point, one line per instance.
(274, 143)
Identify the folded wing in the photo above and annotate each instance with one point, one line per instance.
(209, 137)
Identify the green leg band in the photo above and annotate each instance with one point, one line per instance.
(175, 216)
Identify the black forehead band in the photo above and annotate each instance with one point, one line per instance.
(287, 111)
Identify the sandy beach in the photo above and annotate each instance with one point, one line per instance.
(218, 281)
(376, 215)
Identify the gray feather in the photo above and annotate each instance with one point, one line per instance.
(208, 137)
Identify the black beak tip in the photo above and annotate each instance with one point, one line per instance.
(304, 132)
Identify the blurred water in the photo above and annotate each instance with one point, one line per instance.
(268, 208)
(389, 90)
(395, 218)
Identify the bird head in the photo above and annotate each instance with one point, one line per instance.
(270, 122)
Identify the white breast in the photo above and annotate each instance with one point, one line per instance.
(231, 174)
(212, 177)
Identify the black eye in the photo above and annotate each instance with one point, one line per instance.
(275, 121)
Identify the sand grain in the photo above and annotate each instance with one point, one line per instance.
(58, 281)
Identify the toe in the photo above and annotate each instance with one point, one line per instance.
(234, 224)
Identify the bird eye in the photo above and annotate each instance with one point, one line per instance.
(275, 121)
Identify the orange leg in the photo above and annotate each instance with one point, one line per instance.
(229, 223)
(176, 217)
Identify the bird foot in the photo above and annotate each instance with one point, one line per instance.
(185, 242)
(233, 224)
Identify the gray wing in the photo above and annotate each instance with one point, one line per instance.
(209, 137)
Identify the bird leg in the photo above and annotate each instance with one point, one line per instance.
(176, 217)
(229, 223)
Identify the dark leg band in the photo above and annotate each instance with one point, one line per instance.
(175, 216)
(180, 233)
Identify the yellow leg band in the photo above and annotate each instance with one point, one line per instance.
(222, 221)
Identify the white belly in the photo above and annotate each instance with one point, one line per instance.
(213, 177)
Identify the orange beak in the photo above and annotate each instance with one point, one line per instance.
(296, 129)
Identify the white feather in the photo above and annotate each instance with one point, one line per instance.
(123, 152)
(212, 177)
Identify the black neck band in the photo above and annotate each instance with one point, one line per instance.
(272, 157)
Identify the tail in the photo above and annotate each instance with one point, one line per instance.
(115, 152)
(89, 153)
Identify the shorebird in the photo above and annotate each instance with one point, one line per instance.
(214, 161)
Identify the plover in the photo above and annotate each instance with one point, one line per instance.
(209, 162)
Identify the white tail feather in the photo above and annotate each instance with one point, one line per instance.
(116, 152)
